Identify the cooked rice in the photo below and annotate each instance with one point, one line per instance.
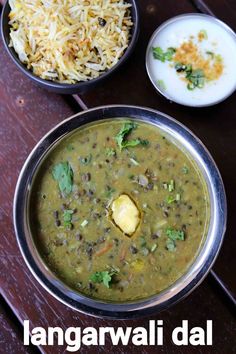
(68, 40)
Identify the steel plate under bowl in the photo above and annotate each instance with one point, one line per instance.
(204, 260)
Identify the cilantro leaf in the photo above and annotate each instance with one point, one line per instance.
(161, 84)
(159, 54)
(175, 234)
(67, 217)
(124, 132)
(135, 142)
(169, 53)
(97, 277)
(104, 277)
(63, 174)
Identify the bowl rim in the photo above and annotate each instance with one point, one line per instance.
(185, 284)
(135, 14)
(166, 23)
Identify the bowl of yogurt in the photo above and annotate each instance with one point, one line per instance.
(191, 60)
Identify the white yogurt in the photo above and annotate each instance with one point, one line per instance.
(220, 40)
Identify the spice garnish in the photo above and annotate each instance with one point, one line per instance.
(202, 35)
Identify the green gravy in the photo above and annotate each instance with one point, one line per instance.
(71, 210)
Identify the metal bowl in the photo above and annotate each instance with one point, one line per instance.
(165, 24)
(203, 262)
(62, 88)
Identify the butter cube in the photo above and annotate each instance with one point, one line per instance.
(125, 214)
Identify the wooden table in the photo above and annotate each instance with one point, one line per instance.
(27, 113)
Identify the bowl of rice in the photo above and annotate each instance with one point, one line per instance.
(72, 45)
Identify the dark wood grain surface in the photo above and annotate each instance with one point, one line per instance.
(27, 113)
(10, 334)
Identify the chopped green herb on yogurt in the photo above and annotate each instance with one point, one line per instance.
(159, 53)
(161, 84)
